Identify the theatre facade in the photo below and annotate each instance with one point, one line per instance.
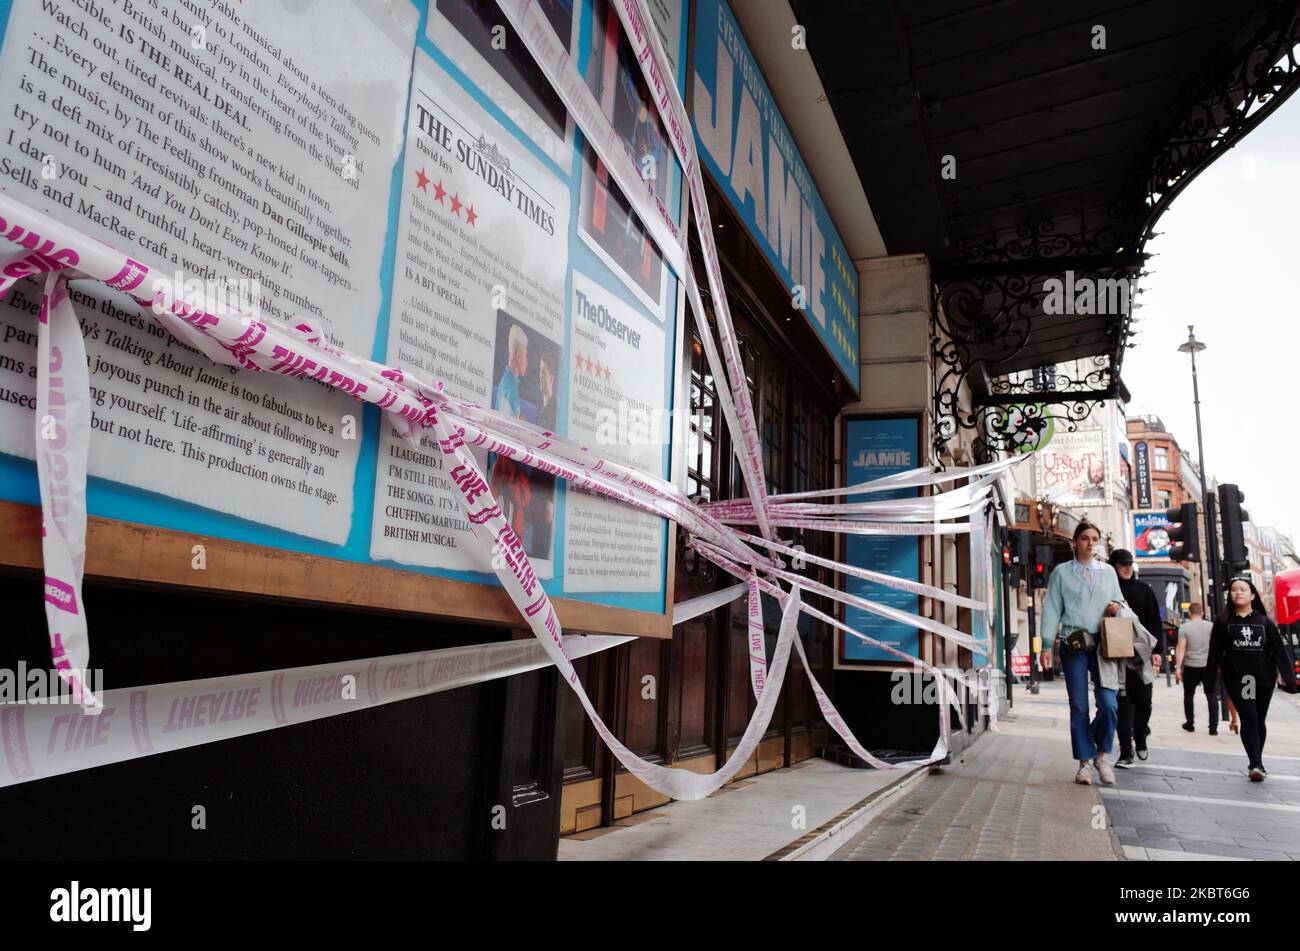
(405, 183)
(444, 215)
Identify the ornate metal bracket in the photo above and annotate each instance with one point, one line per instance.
(982, 318)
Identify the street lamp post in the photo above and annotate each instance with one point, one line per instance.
(1193, 347)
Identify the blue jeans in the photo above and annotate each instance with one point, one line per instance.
(1088, 738)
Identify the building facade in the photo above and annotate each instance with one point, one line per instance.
(889, 284)
(1165, 477)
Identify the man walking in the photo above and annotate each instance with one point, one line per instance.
(1135, 696)
(1190, 667)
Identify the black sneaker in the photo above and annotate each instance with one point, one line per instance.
(1214, 731)
(1189, 727)
(1124, 762)
(1142, 755)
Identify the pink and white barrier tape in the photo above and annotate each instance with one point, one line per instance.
(38, 740)
(248, 340)
(414, 404)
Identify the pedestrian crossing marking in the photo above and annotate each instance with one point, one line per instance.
(1171, 768)
(1201, 800)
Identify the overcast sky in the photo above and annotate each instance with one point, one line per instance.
(1229, 262)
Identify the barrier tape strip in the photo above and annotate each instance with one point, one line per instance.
(38, 740)
(62, 448)
(757, 642)
(684, 611)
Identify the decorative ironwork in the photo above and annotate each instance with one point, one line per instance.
(983, 314)
(1222, 111)
(982, 319)
(1043, 240)
(1098, 380)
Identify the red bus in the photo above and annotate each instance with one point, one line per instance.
(1286, 595)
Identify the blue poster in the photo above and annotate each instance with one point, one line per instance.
(874, 448)
(748, 149)
(1151, 535)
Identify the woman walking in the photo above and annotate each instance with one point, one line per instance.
(1246, 647)
(1080, 593)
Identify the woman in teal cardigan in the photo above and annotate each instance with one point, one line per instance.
(1080, 593)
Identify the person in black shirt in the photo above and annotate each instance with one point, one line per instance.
(1247, 648)
(1135, 697)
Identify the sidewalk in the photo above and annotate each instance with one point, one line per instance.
(1011, 796)
(753, 819)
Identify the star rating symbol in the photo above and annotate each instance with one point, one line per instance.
(592, 367)
(422, 181)
(455, 204)
(470, 215)
(439, 193)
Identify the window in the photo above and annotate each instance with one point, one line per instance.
(702, 437)
(1166, 499)
(1162, 458)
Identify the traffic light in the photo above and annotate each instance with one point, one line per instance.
(1184, 533)
(1023, 548)
(1042, 566)
(1019, 551)
(1233, 518)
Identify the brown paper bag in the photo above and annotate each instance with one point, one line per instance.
(1117, 637)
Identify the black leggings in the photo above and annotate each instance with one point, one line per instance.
(1194, 677)
(1252, 713)
(1134, 713)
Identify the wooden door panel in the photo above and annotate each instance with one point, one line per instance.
(797, 694)
(695, 722)
(581, 759)
(644, 704)
(739, 696)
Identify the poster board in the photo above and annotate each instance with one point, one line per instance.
(1073, 470)
(380, 170)
(873, 447)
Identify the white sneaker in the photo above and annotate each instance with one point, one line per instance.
(1084, 776)
(1103, 769)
